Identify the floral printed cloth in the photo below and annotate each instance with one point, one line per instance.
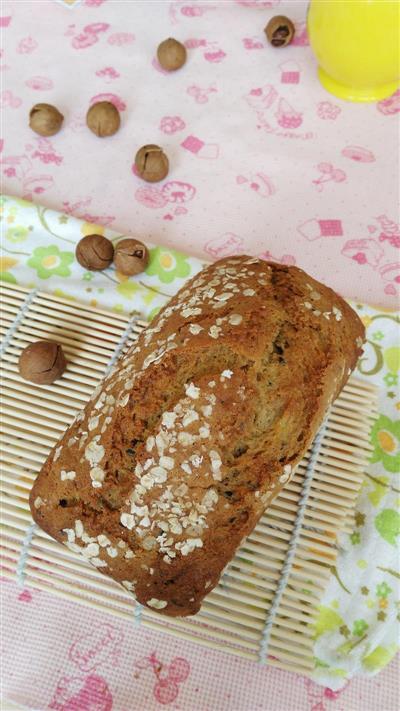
(357, 627)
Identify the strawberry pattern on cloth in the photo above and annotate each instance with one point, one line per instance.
(357, 627)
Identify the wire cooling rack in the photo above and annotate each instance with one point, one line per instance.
(264, 606)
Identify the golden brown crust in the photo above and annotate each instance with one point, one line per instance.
(198, 427)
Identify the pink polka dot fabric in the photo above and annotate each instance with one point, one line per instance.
(262, 159)
(82, 660)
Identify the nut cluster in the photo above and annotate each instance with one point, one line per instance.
(96, 252)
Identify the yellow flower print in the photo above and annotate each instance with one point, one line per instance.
(88, 228)
(7, 263)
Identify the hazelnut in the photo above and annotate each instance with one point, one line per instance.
(151, 163)
(131, 257)
(42, 362)
(280, 31)
(94, 252)
(171, 54)
(45, 119)
(103, 119)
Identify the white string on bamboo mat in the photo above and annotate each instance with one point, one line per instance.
(120, 345)
(287, 566)
(23, 556)
(14, 326)
(137, 613)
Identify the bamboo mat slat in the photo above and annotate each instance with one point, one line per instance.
(233, 616)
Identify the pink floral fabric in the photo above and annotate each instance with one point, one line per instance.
(263, 160)
(100, 663)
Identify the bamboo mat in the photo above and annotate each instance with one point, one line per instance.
(236, 616)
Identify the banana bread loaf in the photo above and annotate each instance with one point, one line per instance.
(197, 429)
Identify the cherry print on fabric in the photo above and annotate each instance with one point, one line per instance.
(328, 174)
(168, 677)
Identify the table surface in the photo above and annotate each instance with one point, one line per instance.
(262, 161)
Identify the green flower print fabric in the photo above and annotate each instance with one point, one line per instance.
(357, 626)
(167, 264)
(50, 261)
(38, 250)
(385, 437)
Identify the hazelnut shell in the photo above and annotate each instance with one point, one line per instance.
(131, 257)
(280, 31)
(151, 163)
(42, 362)
(45, 119)
(171, 54)
(103, 119)
(94, 252)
